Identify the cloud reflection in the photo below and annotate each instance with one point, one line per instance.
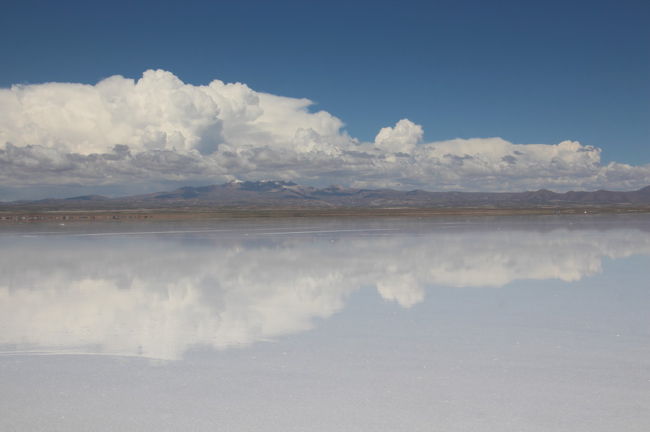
(159, 296)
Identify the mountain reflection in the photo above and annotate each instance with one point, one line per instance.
(158, 296)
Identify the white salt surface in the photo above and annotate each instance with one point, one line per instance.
(509, 324)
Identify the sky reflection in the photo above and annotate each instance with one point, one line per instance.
(157, 296)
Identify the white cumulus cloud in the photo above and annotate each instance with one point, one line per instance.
(122, 131)
(401, 138)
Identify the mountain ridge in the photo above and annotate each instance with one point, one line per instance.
(278, 194)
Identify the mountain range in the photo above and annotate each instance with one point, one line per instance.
(283, 194)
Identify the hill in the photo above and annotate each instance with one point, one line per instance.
(282, 194)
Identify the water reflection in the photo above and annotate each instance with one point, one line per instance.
(158, 296)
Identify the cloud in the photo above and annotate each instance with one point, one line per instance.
(157, 129)
(399, 139)
(220, 291)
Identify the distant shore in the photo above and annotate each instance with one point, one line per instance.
(36, 216)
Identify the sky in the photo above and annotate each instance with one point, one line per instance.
(116, 97)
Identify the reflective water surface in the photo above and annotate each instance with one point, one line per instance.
(507, 324)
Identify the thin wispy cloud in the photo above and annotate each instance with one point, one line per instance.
(158, 129)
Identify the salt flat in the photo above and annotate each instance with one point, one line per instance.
(452, 324)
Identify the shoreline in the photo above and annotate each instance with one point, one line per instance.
(170, 214)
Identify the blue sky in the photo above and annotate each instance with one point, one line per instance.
(528, 72)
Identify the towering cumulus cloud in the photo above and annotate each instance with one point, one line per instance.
(159, 129)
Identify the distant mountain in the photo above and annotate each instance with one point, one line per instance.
(265, 194)
(87, 198)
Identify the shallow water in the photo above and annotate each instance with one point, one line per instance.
(503, 324)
